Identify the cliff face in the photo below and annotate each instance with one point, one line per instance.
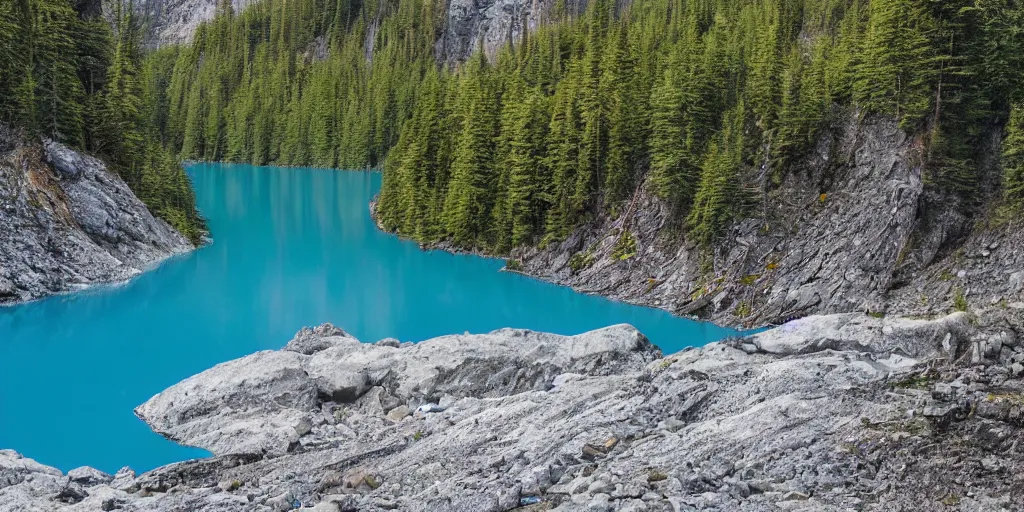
(174, 21)
(826, 413)
(848, 228)
(469, 23)
(69, 222)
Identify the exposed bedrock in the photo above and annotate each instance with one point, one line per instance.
(842, 412)
(68, 222)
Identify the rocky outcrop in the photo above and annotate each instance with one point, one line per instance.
(492, 24)
(170, 22)
(826, 413)
(845, 230)
(69, 222)
(469, 23)
(265, 403)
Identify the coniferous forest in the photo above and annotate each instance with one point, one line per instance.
(706, 102)
(79, 79)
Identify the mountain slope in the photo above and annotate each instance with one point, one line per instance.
(743, 161)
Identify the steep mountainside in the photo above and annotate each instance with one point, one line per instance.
(857, 230)
(69, 222)
(830, 413)
(744, 161)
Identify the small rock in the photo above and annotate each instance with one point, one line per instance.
(229, 485)
(936, 410)
(794, 496)
(385, 504)
(591, 452)
(327, 506)
(398, 413)
(331, 479)
(89, 477)
(942, 391)
(71, 493)
(303, 427)
(580, 484)
(124, 480)
(281, 503)
(1017, 369)
(599, 486)
(600, 502)
(389, 342)
(671, 424)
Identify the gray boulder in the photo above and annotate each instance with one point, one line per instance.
(89, 476)
(258, 404)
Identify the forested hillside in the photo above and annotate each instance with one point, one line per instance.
(708, 102)
(73, 77)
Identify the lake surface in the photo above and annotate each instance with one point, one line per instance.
(293, 247)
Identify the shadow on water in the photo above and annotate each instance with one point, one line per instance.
(293, 247)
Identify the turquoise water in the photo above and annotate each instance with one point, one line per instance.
(293, 247)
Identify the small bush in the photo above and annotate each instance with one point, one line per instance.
(513, 265)
(742, 310)
(750, 279)
(625, 247)
(581, 260)
(959, 300)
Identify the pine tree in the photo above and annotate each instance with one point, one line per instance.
(622, 113)
(563, 148)
(525, 128)
(470, 194)
(720, 198)
(1013, 160)
(58, 92)
(896, 72)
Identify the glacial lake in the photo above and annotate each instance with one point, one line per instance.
(292, 248)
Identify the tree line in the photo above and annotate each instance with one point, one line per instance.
(708, 103)
(78, 79)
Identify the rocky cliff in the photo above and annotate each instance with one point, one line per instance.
(842, 412)
(468, 23)
(174, 21)
(849, 229)
(69, 222)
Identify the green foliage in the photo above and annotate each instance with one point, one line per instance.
(720, 197)
(581, 260)
(1013, 160)
(625, 247)
(959, 299)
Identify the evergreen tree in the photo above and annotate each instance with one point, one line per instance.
(470, 193)
(720, 197)
(1013, 160)
(897, 69)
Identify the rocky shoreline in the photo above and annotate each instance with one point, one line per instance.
(70, 223)
(839, 412)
